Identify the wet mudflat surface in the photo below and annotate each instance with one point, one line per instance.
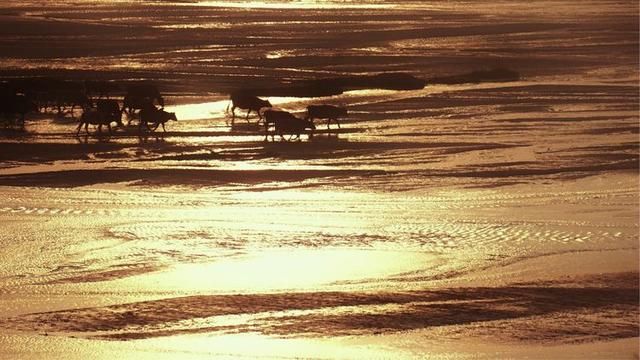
(495, 219)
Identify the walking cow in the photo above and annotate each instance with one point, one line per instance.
(247, 101)
(152, 118)
(285, 123)
(94, 117)
(328, 112)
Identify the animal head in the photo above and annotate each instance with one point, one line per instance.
(266, 103)
(172, 116)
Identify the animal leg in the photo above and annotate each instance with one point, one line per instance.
(163, 129)
(260, 117)
(140, 123)
(86, 128)
(247, 118)
(78, 129)
(233, 115)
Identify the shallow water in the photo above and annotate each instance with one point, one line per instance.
(452, 217)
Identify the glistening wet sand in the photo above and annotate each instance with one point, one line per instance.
(463, 220)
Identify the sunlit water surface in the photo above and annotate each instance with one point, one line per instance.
(465, 213)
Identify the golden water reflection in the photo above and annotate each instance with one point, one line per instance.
(283, 269)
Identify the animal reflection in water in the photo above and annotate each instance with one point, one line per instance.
(285, 123)
(246, 101)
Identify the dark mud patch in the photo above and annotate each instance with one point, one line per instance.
(43, 152)
(75, 178)
(338, 85)
(605, 309)
(513, 97)
(585, 170)
(493, 75)
(117, 273)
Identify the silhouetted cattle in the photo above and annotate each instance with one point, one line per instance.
(59, 95)
(39, 90)
(329, 112)
(285, 123)
(138, 95)
(249, 102)
(93, 117)
(70, 98)
(62, 96)
(110, 109)
(152, 118)
(14, 107)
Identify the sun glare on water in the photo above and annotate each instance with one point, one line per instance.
(284, 269)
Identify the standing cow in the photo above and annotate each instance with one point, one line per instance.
(246, 101)
(93, 117)
(285, 123)
(329, 112)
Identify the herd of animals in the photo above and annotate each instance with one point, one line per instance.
(144, 103)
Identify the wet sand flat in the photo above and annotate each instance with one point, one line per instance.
(496, 219)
